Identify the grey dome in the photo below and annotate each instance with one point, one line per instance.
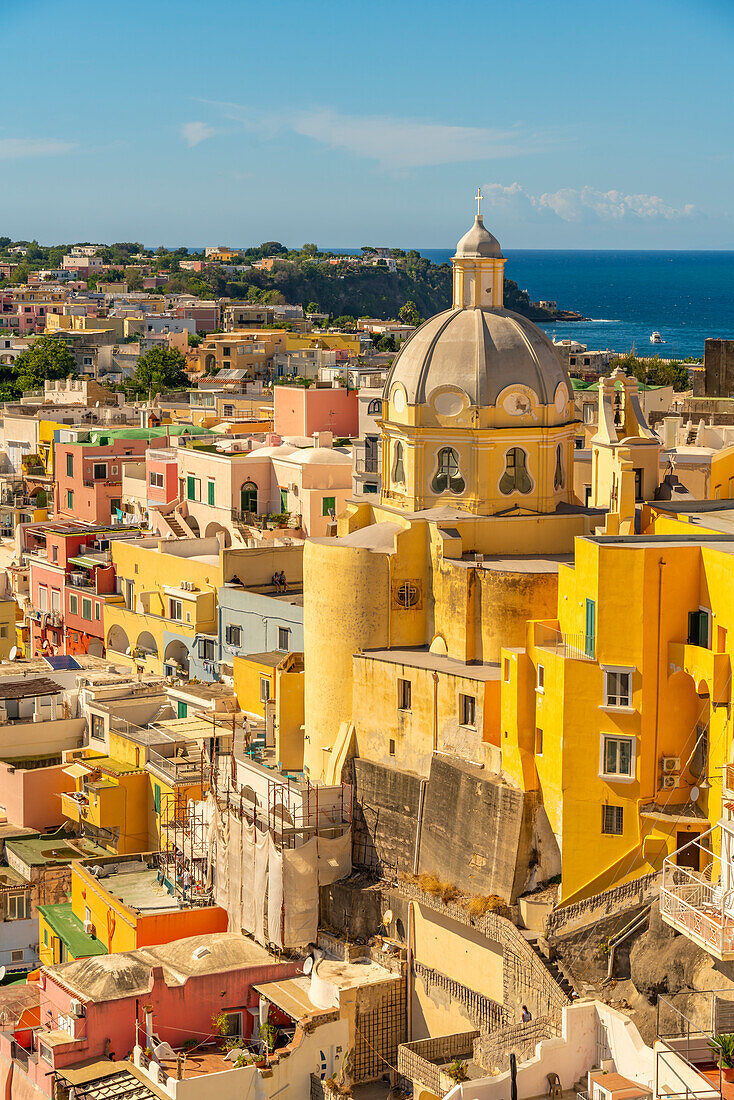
(478, 243)
(481, 351)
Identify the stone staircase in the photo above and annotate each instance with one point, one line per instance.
(174, 523)
(557, 971)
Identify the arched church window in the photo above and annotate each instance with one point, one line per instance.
(558, 477)
(448, 474)
(516, 478)
(408, 594)
(248, 497)
(398, 467)
(375, 407)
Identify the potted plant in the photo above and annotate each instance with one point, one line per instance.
(457, 1071)
(723, 1048)
(268, 1032)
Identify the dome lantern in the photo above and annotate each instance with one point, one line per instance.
(478, 267)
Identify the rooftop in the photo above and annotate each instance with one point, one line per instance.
(438, 662)
(37, 851)
(70, 930)
(128, 974)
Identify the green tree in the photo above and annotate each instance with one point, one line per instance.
(47, 357)
(313, 307)
(309, 249)
(408, 313)
(655, 371)
(158, 370)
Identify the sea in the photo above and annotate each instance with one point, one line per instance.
(685, 296)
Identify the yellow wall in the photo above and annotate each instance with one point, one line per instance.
(722, 474)
(247, 676)
(329, 341)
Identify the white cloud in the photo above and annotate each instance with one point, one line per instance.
(572, 204)
(195, 132)
(397, 143)
(21, 148)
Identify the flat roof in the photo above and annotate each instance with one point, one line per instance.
(437, 662)
(36, 851)
(140, 889)
(292, 994)
(70, 930)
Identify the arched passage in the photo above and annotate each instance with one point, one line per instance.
(176, 658)
(214, 528)
(248, 497)
(147, 644)
(117, 640)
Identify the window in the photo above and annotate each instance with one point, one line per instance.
(210, 492)
(233, 635)
(579, 443)
(99, 471)
(284, 500)
(86, 608)
(516, 478)
(612, 820)
(467, 710)
(56, 600)
(558, 477)
(206, 649)
(17, 906)
(182, 709)
(226, 351)
(506, 670)
(404, 694)
(391, 747)
(408, 594)
(157, 798)
(43, 598)
(264, 689)
(698, 627)
(375, 407)
(73, 605)
(538, 741)
(69, 464)
(328, 506)
(45, 1053)
(284, 637)
(97, 730)
(590, 632)
(448, 476)
(617, 757)
(248, 497)
(193, 488)
(3, 631)
(69, 499)
(54, 553)
(98, 611)
(398, 466)
(540, 678)
(156, 479)
(617, 684)
(176, 610)
(233, 1024)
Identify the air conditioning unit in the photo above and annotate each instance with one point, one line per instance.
(671, 764)
(76, 1008)
(670, 782)
(89, 927)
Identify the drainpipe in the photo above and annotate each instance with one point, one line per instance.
(149, 1026)
(419, 826)
(661, 566)
(435, 712)
(409, 997)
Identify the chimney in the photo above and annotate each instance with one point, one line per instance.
(323, 439)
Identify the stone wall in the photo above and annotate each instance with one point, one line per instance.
(630, 895)
(385, 819)
(718, 364)
(421, 1061)
(492, 1052)
(474, 834)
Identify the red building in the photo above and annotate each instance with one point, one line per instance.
(71, 576)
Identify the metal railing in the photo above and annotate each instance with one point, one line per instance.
(177, 769)
(700, 904)
(367, 465)
(576, 647)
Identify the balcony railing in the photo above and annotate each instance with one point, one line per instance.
(367, 465)
(177, 769)
(575, 647)
(424, 1060)
(700, 903)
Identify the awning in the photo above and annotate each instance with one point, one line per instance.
(28, 689)
(77, 771)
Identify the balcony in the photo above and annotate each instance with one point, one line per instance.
(710, 672)
(698, 900)
(426, 1061)
(573, 647)
(368, 465)
(178, 769)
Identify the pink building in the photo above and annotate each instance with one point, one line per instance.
(303, 412)
(96, 1007)
(31, 795)
(207, 315)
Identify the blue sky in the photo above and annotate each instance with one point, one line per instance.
(587, 124)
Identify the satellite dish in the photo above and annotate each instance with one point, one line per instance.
(45, 644)
(387, 917)
(96, 404)
(164, 1050)
(694, 794)
(2, 972)
(128, 651)
(13, 653)
(308, 965)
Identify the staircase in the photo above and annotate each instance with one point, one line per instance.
(558, 973)
(174, 524)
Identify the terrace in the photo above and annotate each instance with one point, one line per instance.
(697, 891)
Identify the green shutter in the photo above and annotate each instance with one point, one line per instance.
(183, 709)
(590, 639)
(210, 493)
(191, 488)
(157, 798)
(284, 500)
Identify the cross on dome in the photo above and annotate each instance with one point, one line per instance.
(479, 196)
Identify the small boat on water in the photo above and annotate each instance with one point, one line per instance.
(656, 338)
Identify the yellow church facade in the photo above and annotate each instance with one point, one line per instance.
(535, 669)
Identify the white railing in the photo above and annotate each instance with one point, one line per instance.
(700, 904)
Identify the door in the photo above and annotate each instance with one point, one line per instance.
(590, 633)
(638, 483)
(687, 857)
(248, 497)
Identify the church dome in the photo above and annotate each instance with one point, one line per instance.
(478, 243)
(480, 352)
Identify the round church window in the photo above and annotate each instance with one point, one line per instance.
(407, 594)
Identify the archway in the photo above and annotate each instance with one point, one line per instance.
(96, 648)
(193, 525)
(147, 644)
(248, 497)
(176, 659)
(214, 529)
(117, 640)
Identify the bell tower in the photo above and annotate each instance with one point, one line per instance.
(478, 267)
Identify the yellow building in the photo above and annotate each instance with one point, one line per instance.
(244, 349)
(271, 686)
